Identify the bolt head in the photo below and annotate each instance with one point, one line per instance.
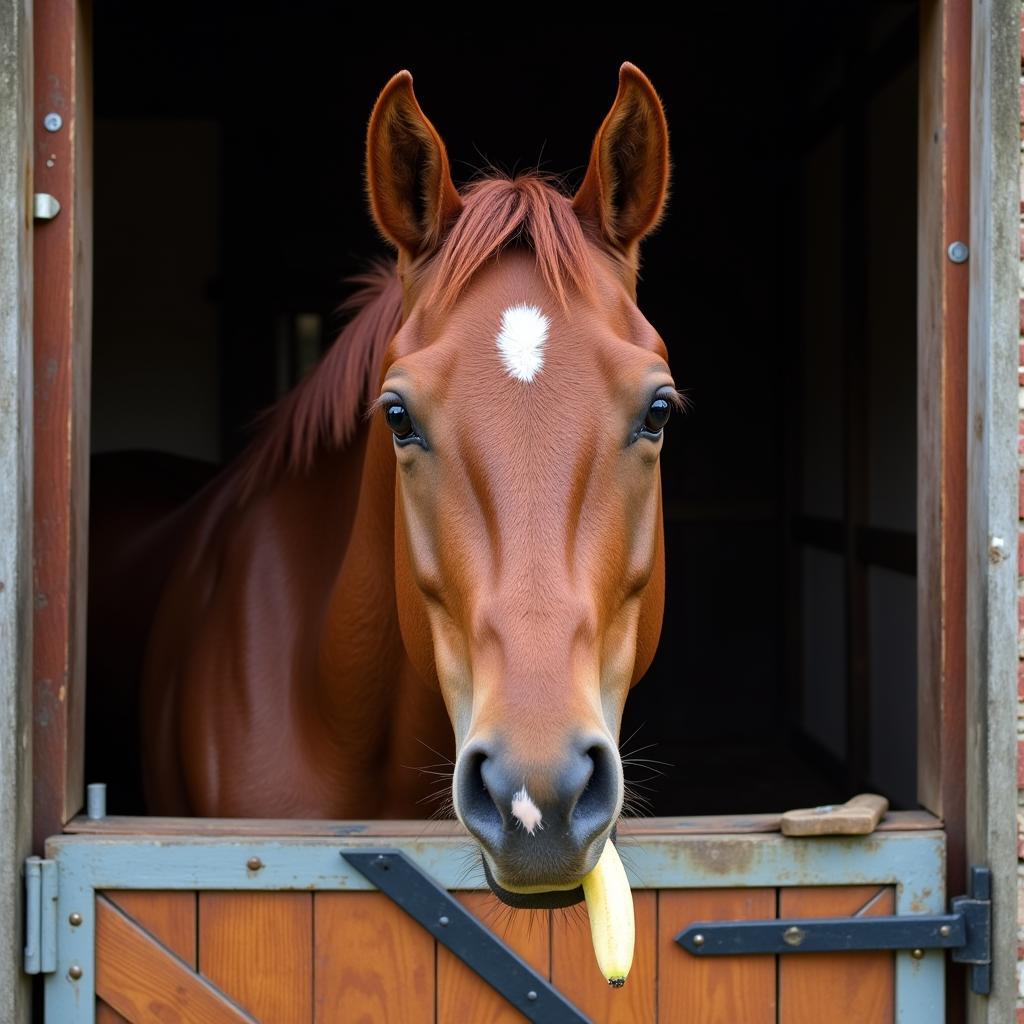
(917, 954)
(74, 972)
(74, 919)
(254, 864)
(958, 252)
(945, 931)
(698, 940)
(531, 995)
(53, 122)
(443, 921)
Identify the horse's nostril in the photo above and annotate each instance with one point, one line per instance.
(599, 799)
(476, 804)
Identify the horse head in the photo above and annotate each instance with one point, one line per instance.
(526, 396)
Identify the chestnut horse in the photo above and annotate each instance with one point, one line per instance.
(450, 533)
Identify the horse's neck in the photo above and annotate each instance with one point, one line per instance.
(378, 713)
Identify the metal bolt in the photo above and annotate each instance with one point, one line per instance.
(443, 921)
(96, 801)
(254, 864)
(74, 972)
(958, 252)
(698, 940)
(74, 919)
(945, 931)
(531, 995)
(53, 122)
(793, 936)
(917, 954)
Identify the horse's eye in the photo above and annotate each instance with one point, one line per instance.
(399, 420)
(657, 416)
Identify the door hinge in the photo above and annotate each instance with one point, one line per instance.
(40, 916)
(966, 931)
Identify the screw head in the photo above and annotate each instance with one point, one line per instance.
(53, 122)
(74, 919)
(254, 864)
(793, 936)
(531, 995)
(917, 954)
(74, 972)
(698, 940)
(945, 931)
(958, 252)
(443, 921)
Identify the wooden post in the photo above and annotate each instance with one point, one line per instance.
(992, 484)
(15, 494)
(63, 316)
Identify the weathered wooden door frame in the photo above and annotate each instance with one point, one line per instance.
(991, 472)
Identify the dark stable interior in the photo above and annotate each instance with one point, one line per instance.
(230, 206)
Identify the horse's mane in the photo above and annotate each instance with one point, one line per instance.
(324, 409)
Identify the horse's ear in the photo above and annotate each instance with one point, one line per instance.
(412, 197)
(626, 185)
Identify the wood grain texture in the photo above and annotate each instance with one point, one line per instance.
(844, 988)
(170, 917)
(857, 817)
(720, 989)
(144, 982)
(724, 824)
(942, 288)
(462, 995)
(63, 316)
(575, 973)
(373, 962)
(258, 948)
(106, 1014)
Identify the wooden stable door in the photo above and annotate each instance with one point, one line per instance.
(332, 958)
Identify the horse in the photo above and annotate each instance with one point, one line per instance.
(449, 534)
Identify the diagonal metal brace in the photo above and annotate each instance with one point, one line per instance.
(454, 927)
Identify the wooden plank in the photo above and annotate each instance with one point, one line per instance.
(373, 961)
(258, 948)
(724, 824)
(106, 1014)
(169, 916)
(850, 988)
(575, 972)
(693, 991)
(143, 981)
(16, 119)
(63, 316)
(942, 290)
(462, 995)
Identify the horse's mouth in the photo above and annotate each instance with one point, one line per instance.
(551, 899)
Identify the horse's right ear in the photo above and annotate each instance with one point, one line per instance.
(412, 196)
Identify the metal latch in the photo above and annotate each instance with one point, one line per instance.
(40, 916)
(966, 932)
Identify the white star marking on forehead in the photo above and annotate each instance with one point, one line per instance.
(524, 329)
(526, 811)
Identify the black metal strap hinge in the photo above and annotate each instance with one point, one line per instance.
(456, 928)
(966, 932)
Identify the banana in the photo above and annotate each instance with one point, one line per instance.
(610, 908)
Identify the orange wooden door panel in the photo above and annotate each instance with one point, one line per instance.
(842, 988)
(575, 973)
(716, 990)
(462, 995)
(258, 948)
(142, 981)
(170, 917)
(373, 961)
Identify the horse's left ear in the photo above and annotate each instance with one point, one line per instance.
(412, 196)
(626, 185)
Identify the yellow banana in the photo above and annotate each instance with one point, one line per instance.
(610, 908)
